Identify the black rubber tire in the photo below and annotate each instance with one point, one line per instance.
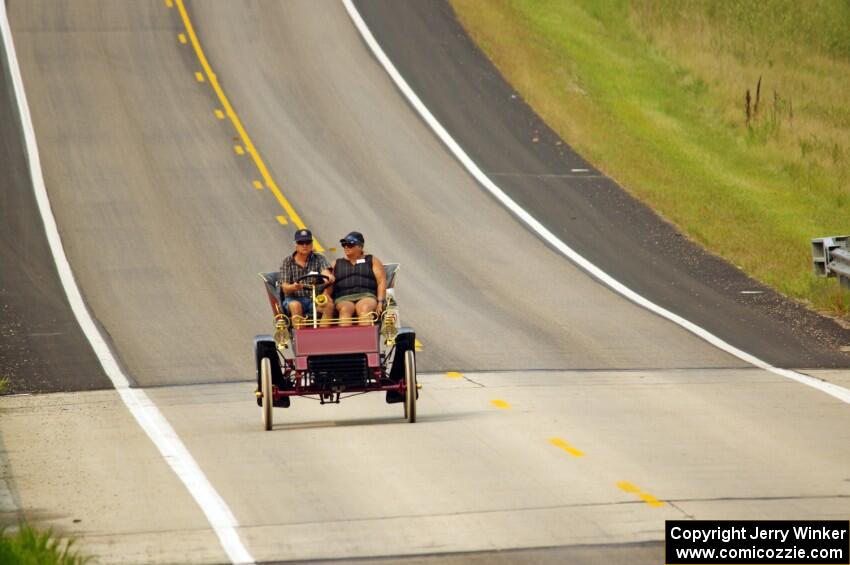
(410, 386)
(266, 389)
(268, 349)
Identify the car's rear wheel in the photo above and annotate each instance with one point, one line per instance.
(410, 386)
(266, 390)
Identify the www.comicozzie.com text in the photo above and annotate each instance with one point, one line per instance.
(728, 534)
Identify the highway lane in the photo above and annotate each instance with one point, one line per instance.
(79, 463)
(159, 214)
(354, 481)
(482, 292)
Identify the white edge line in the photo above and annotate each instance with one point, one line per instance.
(838, 392)
(137, 401)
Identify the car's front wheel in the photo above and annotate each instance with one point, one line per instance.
(410, 386)
(267, 392)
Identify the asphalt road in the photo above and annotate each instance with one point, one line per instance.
(166, 232)
(41, 346)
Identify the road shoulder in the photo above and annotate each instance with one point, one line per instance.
(80, 464)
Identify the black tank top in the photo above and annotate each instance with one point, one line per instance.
(354, 279)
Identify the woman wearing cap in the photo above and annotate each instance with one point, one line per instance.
(361, 283)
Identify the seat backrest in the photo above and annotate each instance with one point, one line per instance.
(272, 290)
(392, 270)
(271, 278)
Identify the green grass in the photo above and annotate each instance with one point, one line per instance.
(4, 384)
(653, 93)
(28, 546)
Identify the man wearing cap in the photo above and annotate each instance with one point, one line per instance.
(361, 282)
(298, 299)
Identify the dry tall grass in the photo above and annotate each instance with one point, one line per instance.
(654, 93)
(800, 54)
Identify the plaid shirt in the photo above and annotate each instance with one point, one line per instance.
(290, 271)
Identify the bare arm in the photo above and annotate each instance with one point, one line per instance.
(381, 278)
(330, 282)
(291, 287)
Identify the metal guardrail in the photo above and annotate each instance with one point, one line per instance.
(840, 265)
(831, 258)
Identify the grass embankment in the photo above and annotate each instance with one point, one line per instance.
(654, 93)
(28, 546)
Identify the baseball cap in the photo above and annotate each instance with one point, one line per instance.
(303, 235)
(354, 237)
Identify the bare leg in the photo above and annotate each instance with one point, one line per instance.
(364, 308)
(327, 312)
(346, 312)
(296, 312)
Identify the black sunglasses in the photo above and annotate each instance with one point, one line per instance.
(305, 242)
(348, 244)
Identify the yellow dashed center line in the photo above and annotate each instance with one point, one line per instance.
(645, 496)
(651, 500)
(238, 149)
(218, 114)
(237, 123)
(182, 38)
(282, 220)
(169, 3)
(500, 404)
(417, 345)
(258, 185)
(561, 444)
(199, 76)
(453, 375)
(628, 487)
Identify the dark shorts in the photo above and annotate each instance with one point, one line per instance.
(354, 297)
(305, 301)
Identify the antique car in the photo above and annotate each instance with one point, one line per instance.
(331, 359)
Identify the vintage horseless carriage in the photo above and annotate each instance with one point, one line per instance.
(328, 360)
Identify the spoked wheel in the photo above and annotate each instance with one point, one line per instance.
(410, 386)
(266, 389)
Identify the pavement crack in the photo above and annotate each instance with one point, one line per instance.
(481, 385)
(763, 498)
(448, 514)
(685, 514)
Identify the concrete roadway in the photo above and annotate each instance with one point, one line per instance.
(166, 231)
